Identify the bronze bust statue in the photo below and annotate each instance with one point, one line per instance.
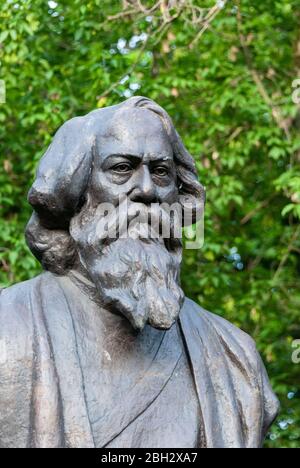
(102, 349)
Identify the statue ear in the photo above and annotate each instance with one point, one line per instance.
(191, 196)
(63, 174)
(192, 208)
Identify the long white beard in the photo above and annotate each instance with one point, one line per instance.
(134, 276)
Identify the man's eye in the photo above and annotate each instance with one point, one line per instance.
(160, 171)
(122, 168)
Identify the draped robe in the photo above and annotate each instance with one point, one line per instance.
(203, 377)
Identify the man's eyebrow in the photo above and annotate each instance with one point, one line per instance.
(138, 157)
(133, 158)
(163, 159)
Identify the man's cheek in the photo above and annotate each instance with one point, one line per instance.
(169, 193)
(108, 188)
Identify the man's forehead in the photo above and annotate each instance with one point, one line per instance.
(134, 131)
(142, 121)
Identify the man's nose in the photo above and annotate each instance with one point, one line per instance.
(144, 190)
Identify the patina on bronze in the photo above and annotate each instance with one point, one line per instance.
(103, 349)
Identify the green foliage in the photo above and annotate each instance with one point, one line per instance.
(230, 96)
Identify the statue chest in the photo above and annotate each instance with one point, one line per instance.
(170, 421)
(139, 388)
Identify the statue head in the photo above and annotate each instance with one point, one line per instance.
(129, 152)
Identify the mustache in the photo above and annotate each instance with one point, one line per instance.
(149, 223)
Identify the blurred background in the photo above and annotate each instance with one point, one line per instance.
(226, 72)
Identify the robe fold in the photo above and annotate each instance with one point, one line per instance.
(43, 402)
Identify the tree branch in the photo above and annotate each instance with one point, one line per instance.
(253, 212)
(286, 256)
(276, 112)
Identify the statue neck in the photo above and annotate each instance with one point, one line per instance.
(81, 279)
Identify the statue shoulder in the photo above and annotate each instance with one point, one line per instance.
(17, 360)
(224, 344)
(16, 323)
(230, 335)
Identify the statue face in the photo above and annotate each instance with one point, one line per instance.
(134, 158)
(135, 277)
